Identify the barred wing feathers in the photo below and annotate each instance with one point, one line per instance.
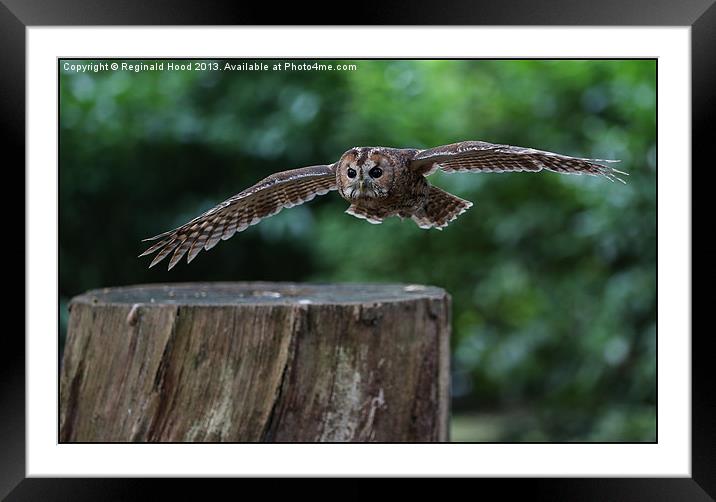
(479, 156)
(264, 199)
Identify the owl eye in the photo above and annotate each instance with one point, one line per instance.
(376, 172)
(351, 173)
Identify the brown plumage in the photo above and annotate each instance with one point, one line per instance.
(379, 182)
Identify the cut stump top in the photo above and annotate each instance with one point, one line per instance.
(259, 293)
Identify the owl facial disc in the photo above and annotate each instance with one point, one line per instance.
(363, 174)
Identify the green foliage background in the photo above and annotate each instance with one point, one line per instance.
(553, 277)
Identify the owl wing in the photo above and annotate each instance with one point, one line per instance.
(265, 198)
(479, 156)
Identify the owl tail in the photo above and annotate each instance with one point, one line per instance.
(440, 209)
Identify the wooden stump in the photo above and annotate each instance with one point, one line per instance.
(243, 362)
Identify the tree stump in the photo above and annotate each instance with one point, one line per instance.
(243, 362)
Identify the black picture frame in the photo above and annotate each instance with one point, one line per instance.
(700, 15)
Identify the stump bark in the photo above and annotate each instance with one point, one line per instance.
(244, 362)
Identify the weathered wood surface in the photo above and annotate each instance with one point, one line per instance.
(245, 362)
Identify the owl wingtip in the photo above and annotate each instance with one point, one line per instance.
(611, 175)
(156, 237)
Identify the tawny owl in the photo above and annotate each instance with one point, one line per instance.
(378, 182)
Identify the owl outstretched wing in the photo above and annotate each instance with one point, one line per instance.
(479, 156)
(265, 198)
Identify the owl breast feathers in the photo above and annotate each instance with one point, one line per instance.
(378, 182)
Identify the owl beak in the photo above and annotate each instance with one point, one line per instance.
(361, 186)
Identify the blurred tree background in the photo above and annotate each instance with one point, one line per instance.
(553, 277)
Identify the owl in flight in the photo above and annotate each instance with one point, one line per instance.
(378, 182)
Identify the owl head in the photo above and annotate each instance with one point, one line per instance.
(366, 172)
